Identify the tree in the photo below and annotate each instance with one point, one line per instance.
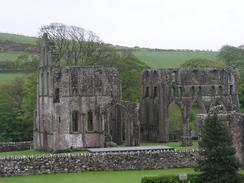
(74, 45)
(28, 106)
(218, 163)
(230, 54)
(201, 63)
(10, 108)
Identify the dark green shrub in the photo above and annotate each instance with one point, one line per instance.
(169, 179)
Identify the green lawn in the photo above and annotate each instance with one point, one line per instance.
(171, 59)
(95, 177)
(9, 56)
(176, 145)
(18, 38)
(5, 78)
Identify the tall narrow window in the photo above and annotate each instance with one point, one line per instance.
(75, 119)
(56, 96)
(199, 90)
(89, 121)
(155, 91)
(231, 89)
(147, 92)
(74, 83)
(193, 90)
(220, 90)
(213, 90)
(181, 91)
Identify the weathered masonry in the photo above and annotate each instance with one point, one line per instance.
(80, 107)
(207, 87)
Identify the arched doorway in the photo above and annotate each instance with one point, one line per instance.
(197, 109)
(175, 122)
(118, 116)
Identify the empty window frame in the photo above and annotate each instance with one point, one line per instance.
(155, 91)
(90, 126)
(147, 92)
(231, 90)
(75, 121)
(56, 98)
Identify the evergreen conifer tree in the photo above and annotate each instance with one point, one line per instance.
(218, 163)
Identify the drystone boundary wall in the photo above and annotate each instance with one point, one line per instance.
(15, 166)
(15, 146)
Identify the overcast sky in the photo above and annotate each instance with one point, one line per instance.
(182, 24)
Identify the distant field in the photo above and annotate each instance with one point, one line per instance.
(18, 38)
(9, 56)
(8, 77)
(171, 59)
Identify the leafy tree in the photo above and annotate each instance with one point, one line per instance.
(74, 45)
(28, 106)
(230, 54)
(218, 163)
(201, 63)
(10, 108)
(17, 103)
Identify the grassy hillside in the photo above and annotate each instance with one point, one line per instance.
(8, 77)
(154, 59)
(9, 56)
(18, 38)
(171, 59)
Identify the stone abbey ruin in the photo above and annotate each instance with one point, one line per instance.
(80, 107)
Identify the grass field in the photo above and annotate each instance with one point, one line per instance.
(9, 56)
(18, 38)
(8, 77)
(98, 177)
(176, 145)
(171, 59)
(95, 177)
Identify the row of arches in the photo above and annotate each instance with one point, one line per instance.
(176, 118)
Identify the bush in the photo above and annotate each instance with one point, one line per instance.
(175, 179)
(169, 179)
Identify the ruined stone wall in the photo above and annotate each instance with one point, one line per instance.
(15, 146)
(235, 123)
(14, 166)
(207, 87)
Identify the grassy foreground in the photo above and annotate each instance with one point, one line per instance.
(95, 177)
(134, 176)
